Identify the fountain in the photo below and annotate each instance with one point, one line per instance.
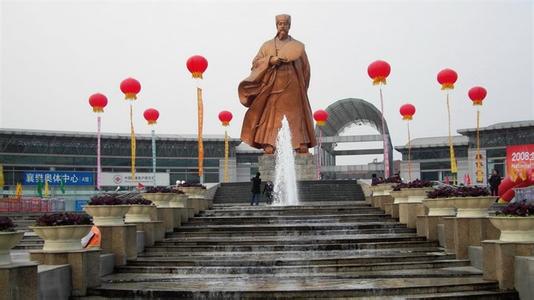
(285, 180)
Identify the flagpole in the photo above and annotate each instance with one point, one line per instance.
(98, 166)
(154, 155)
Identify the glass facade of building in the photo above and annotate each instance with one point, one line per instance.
(22, 151)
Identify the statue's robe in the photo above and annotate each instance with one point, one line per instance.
(272, 92)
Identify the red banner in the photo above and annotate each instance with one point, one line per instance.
(519, 160)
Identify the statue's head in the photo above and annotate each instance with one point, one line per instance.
(283, 24)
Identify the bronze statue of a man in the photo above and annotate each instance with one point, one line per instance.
(277, 87)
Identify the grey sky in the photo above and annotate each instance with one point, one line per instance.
(54, 54)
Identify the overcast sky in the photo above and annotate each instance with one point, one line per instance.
(54, 54)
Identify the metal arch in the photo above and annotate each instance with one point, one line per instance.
(345, 112)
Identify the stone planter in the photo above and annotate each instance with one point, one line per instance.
(416, 195)
(178, 200)
(472, 206)
(381, 189)
(159, 199)
(440, 207)
(8, 240)
(194, 192)
(62, 238)
(515, 229)
(138, 213)
(104, 215)
(399, 196)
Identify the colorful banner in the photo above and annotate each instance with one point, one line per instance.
(55, 178)
(519, 159)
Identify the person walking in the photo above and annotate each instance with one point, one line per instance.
(494, 182)
(268, 192)
(256, 189)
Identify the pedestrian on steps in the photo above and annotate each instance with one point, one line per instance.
(256, 189)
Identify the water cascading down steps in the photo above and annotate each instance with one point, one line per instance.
(320, 249)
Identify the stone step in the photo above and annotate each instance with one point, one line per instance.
(289, 254)
(311, 205)
(288, 227)
(290, 219)
(282, 248)
(296, 233)
(331, 239)
(377, 266)
(401, 273)
(255, 262)
(359, 211)
(291, 288)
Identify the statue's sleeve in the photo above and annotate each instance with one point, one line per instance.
(306, 69)
(261, 54)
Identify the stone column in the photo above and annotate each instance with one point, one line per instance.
(117, 239)
(499, 256)
(84, 265)
(166, 214)
(471, 232)
(408, 212)
(19, 281)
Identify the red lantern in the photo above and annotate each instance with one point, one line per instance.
(151, 115)
(477, 95)
(98, 102)
(447, 78)
(130, 87)
(407, 111)
(320, 117)
(225, 117)
(197, 65)
(378, 71)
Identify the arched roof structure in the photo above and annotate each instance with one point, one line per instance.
(346, 112)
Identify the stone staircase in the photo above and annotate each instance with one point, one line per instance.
(320, 249)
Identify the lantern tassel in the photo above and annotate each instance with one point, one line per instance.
(130, 96)
(447, 86)
(200, 142)
(379, 80)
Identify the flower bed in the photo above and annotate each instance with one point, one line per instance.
(516, 222)
(62, 231)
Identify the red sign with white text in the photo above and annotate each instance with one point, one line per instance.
(519, 160)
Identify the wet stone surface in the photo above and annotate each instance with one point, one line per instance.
(318, 250)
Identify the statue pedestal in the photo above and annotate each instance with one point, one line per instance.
(305, 167)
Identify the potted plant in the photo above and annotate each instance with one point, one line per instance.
(516, 222)
(8, 239)
(107, 209)
(468, 201)
(62, 231)
(413, 191)
(383, 187)
(192, 189)
(139, 209)
(159, 195)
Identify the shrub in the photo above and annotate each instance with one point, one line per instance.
(106, 199)
(158, 189)
(463, 191)
(517, 209)
(416, 184)
(191, 184)
(392, 179)
(6, 224)
(62, 219)
(138, 201)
